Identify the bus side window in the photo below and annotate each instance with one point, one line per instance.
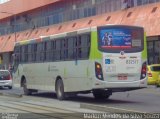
(20, 54)
(16, 54)
(57, 50)
(75, 42)
(64, 49)
(85, 46)
(53, 48)
(48, 50)
(24, 54)
(38, 52)
(34, 51)
(71, 48)
(79, 50)
(30, 53)
(44, 51)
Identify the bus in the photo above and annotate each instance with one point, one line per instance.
(99, 60)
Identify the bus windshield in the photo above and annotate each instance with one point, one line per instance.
(117, 38)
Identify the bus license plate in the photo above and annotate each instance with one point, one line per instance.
(122, 77)
(131, 61)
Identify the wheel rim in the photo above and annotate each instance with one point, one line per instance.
(59, 90)
(25, 87)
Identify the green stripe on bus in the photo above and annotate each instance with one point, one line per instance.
(144, 53)
(94, 53)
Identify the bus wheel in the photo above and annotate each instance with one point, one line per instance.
(101, 94)
(60, 89)
(9, 87)
(25, 89)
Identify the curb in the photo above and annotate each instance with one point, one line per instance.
(11, 95)
(107, 108)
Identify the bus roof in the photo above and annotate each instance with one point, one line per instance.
(54, 36)
(66, 34)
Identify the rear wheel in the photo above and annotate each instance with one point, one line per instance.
(9, 87)
(25, 89)
(60, 89)
(101, 94)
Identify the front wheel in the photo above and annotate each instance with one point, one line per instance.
(25, 89)
(60, 90)
(9, 87)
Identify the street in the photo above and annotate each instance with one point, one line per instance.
(38, 107)
(141, 101)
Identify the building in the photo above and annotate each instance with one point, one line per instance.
(28, 19)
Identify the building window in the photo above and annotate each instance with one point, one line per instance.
(157, 52)
(150, 52)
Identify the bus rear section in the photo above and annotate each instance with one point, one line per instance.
(124, 59)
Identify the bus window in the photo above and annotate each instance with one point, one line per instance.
(43, 53)
(71, 46)
(85, 46)
(38, 53)
(57, 44)
(30, 53)
(75, 45)
(64, 49)
(16, 55)
(24, 53)
(48, 51)
(34, 51)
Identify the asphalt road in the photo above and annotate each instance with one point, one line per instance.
(144, 100)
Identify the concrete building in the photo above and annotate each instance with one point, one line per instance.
(28, 19)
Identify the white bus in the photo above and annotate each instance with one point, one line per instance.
(101, 60)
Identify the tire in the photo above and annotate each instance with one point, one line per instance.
(101, 94)
(25, 89)
(158, 85)
(60, 89)
(9, 87)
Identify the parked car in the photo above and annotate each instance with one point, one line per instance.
(5, 79)
(154, 74)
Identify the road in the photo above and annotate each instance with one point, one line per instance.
(143, 101)
(38, 107)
